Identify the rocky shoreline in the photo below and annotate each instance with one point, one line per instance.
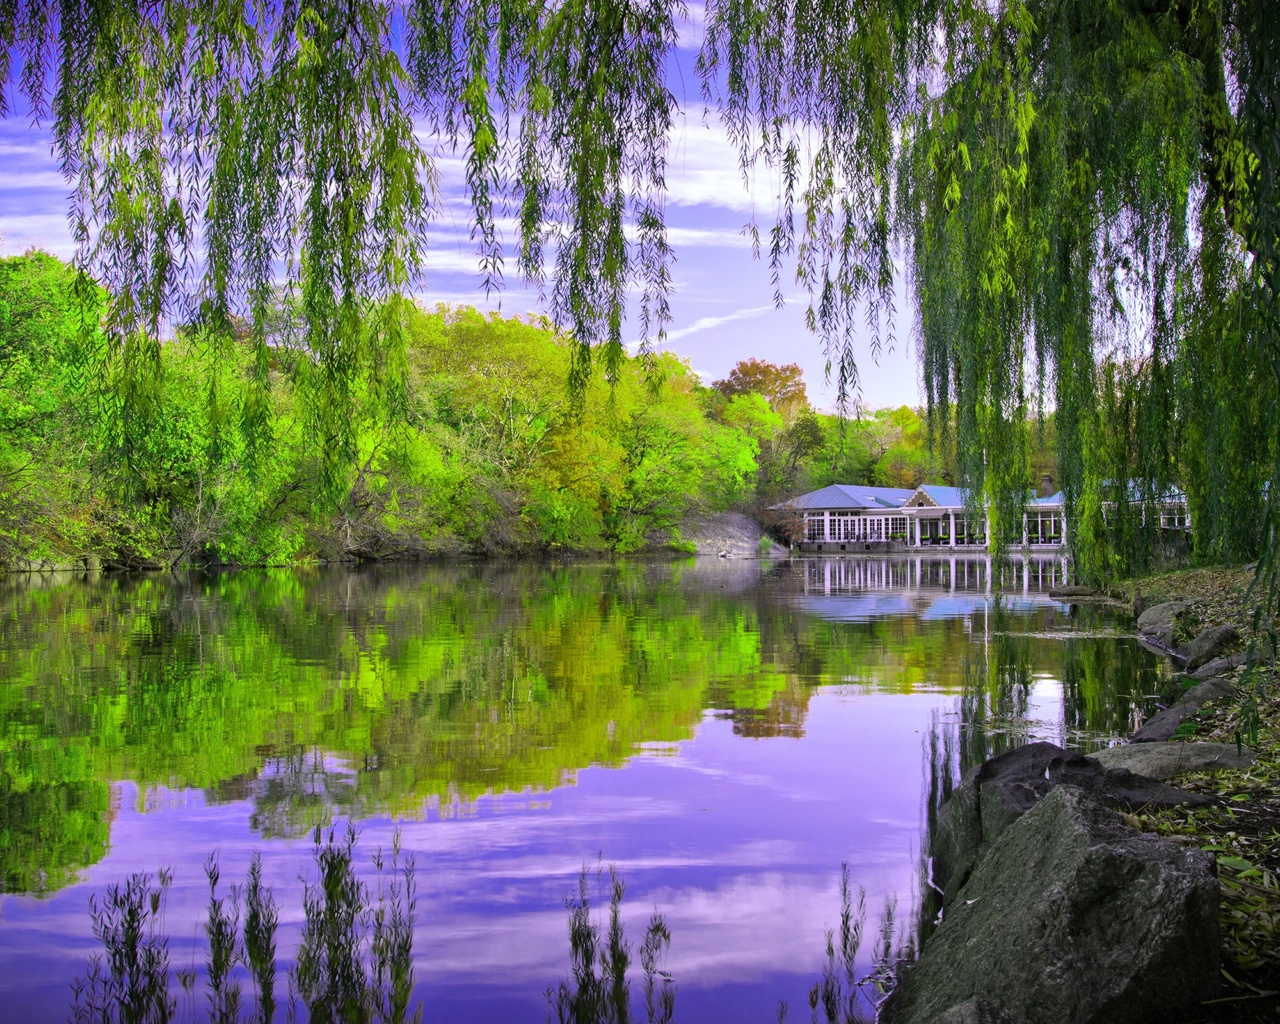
(1095, 889)
(722, 534)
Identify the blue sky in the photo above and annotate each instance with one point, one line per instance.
(722, 304)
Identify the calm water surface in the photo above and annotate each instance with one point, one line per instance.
(726, 733)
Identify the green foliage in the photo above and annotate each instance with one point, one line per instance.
(45, 411)
(488, 454)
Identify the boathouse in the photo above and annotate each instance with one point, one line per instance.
(852, 518)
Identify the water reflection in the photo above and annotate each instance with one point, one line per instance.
(744, 700)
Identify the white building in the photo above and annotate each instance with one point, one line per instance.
(850, 518)
(846, 517)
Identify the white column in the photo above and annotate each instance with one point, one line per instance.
(953, 562)
(1024, 531)
(953, 529)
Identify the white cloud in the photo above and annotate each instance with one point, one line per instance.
(47, 231)
(680, 237)
(706, 323)
(702, 169)
(690, 30)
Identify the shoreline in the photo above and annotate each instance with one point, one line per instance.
(1215, 825)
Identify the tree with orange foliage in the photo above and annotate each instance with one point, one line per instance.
(782, 386)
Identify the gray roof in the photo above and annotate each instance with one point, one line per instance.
(851, 497)
(943, 496)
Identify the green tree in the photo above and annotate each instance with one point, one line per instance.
(1038, 163)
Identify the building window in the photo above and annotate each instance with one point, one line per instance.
(1174, 517)
(1044, 527)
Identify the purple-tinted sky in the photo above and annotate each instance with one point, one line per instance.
(723, 305)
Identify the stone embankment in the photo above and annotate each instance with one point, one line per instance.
(729, 535)
(1074, 888)
(1055, 909)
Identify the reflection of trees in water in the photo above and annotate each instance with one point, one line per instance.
(316, 692)
(297, 792)
(772, 710)
(48, 833)
(1109, 688)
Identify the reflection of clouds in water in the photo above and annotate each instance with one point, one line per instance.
(748, 925)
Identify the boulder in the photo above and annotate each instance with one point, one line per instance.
(997, 792)
(977, 1011)
(729, 535)
(1220, 665)
(1211, 643)
(1167, 760)
(1068, 592)
(1160, 617)
(1072, 918)
(1164, 725)
(1211, 689)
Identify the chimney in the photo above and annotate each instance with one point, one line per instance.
(1046, 486)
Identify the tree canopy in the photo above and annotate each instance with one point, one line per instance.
(1082, 196)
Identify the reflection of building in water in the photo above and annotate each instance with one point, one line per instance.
(845, 517)
(903, 573)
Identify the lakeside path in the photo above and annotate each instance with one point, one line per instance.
(1243, 825)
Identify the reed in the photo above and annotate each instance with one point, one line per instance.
(129, 982)
(598, 990)
(354, 963)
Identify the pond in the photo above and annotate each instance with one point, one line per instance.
(726, 733)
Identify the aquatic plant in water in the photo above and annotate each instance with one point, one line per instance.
(129, 984)
(598, 991)
(355, 960)
(354, 963)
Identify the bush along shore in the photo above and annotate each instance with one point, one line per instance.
(470, 442)
(1138, 883)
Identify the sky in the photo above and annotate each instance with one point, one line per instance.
(722, 303)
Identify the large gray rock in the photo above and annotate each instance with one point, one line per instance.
(997, 792)
(1160, 617)
(1072, 918)
(1211, 643)
(1211, 689)
(729, 535)
(1168, 760)
(977, 1011)
(1218, 666)
(1074, 591)
(1164, 725)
